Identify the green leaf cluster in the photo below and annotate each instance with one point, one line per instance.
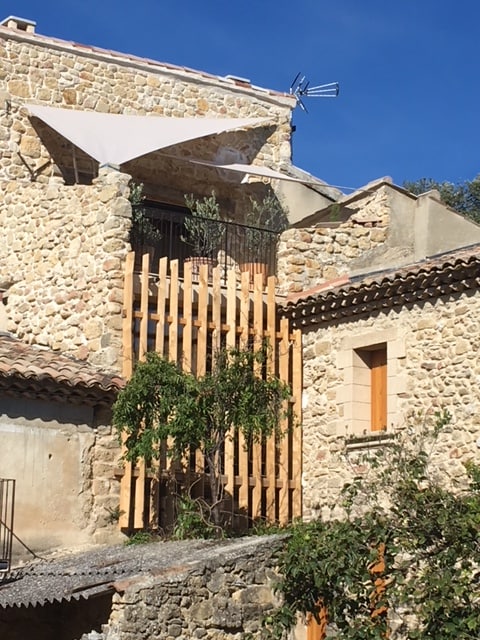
(264, 217)
(204, 230)
(404, 559)
(161, 401)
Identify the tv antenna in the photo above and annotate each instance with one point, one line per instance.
(300, 88)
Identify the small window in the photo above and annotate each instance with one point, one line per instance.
(370, 388)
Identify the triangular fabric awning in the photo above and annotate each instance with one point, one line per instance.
(255, 170)
(115, 139)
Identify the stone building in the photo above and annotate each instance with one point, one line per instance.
(58, 446)
(390, 336)
(76, 124)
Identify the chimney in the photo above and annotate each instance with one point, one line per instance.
(21, 24)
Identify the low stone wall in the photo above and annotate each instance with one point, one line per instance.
(221, 597)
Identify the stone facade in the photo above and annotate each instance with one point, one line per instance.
(64, 244)
(56, 73)
(432, 365)
(62, 252)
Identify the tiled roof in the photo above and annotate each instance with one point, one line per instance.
(27, 368)
(108, 569)
(443, 274)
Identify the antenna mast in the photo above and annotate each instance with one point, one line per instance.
(300, 88)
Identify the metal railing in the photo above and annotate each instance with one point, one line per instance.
(161, 232)
(7, 503)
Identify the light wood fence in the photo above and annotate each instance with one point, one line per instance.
(185, 320)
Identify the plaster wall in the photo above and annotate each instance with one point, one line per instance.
(301, 200)
(438, 228)
(63, 467)
(433, 364)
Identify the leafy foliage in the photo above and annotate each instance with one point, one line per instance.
(403, 561)
(464, 196)
(194, 520)
(204, 229)
(262, 218)
(143, 228)
(161, 401)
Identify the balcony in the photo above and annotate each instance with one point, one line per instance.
(160, 231)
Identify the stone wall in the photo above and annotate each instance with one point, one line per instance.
(48, 71)
(432, 364)
(63, 245)
(225, 596)
(62, 251)
(312, 255)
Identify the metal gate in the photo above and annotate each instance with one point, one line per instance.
(7, 502)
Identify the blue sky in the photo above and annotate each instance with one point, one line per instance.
(408, 71)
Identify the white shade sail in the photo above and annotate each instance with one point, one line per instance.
(115, 139)
(255, 170)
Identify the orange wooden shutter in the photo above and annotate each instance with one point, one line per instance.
(378, 365)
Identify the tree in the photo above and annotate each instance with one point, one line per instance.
(161, 401)
(464, 196)
(402, 562)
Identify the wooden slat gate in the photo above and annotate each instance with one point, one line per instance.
(185, 320)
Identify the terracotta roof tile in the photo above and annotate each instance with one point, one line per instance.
(19, 360)
(445, 273)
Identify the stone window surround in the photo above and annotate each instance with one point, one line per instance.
(346, 364)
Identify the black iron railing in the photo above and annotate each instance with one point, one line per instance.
(7, 502)
(161, 232)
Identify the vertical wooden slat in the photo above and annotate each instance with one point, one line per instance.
(173, 313)
(201, 366)
(271, 324)
(187, 317)
(217, 308)
(127, 368)
(161, 301)
(317, 630)
(139, 509)
(230, 316)
(244, 320)
(143, 342)
(202, 335)
(257, 345)
(283, 356)
(296, 452)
